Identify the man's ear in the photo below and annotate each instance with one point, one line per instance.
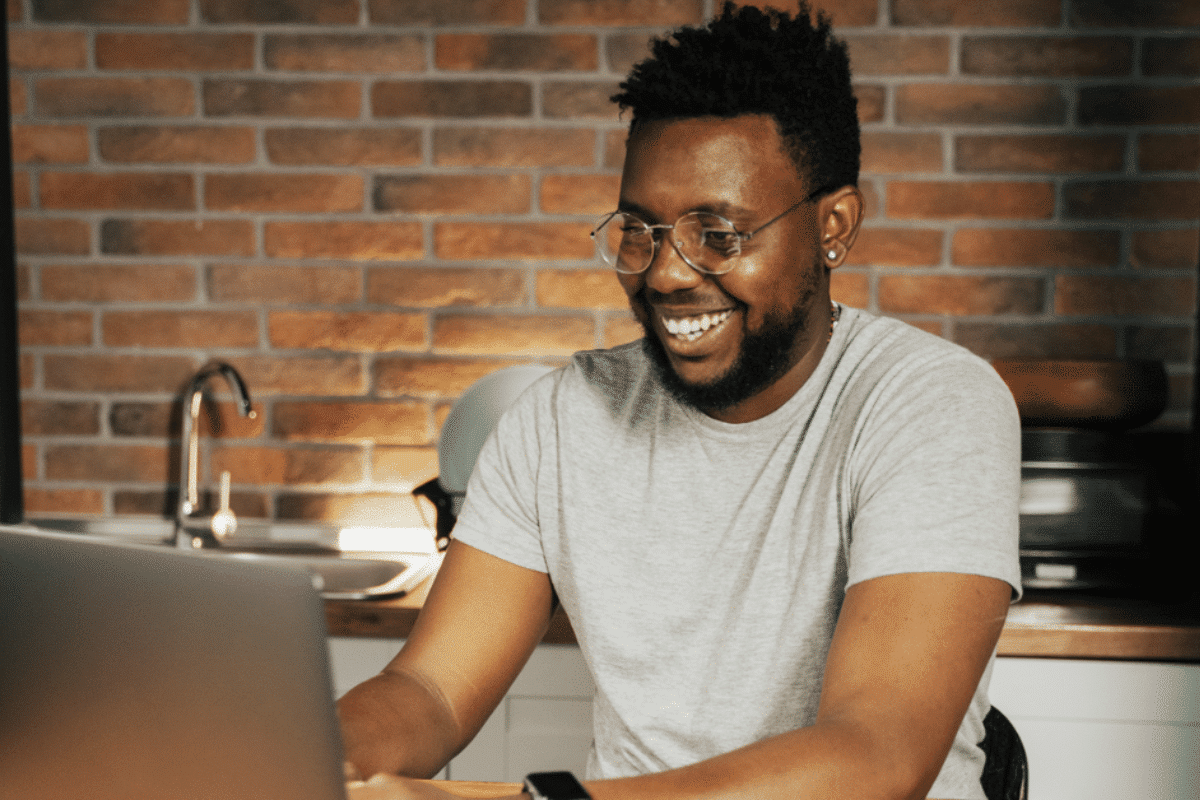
(841, 213)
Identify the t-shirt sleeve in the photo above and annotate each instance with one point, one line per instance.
(936, 474)
(499, 513)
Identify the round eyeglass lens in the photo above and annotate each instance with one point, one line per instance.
(626, 243)
(707, 242)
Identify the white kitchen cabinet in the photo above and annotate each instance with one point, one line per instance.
(1104, 730)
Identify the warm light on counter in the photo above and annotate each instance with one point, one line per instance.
(369, 538)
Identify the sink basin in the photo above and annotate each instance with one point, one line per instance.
(348, 563)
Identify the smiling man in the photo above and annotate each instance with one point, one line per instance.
(785, 531)
(735, 322)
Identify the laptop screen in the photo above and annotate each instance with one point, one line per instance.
(133, 671)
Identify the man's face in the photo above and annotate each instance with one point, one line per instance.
(763, 325)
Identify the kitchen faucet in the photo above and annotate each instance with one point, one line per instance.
(191, 529)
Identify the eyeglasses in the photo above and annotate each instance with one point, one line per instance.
(708, 242)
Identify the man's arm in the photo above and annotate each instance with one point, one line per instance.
(907, 655)
(482, 619)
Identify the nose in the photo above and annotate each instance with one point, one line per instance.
(668, 271)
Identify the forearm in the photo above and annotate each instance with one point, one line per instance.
(832, 760)
(399, 724)
(482, 619)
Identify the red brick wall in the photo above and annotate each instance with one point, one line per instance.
(366, 205)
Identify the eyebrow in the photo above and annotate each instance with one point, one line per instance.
(626, 207)
(720, 209)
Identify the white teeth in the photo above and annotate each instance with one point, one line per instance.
(691, 328)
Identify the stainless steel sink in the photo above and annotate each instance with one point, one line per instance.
(350, 563)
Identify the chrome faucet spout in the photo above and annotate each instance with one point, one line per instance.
(193, 396)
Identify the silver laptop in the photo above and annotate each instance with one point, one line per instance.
(130, 672)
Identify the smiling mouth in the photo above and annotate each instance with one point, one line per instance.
(689, 329)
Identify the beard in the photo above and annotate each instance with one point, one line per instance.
(763, 358)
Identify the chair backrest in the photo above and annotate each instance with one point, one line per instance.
(1005, 770)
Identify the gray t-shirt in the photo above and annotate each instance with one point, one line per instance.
(703, 564)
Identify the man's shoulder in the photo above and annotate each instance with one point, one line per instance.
(612, 370)
(592, 381)
(891, 355)
(891, 339)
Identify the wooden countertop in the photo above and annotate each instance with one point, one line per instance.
(1065, 625)
(1044, 624)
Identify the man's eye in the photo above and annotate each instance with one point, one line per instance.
(631, 226)
(723, 241)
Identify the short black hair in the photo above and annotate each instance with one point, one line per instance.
(749, 60)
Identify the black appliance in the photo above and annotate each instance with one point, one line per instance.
(1096, 513)
(1104, 499)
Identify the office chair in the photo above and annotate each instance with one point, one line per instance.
(1005, 770)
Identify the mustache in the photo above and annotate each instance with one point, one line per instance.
(646, 297)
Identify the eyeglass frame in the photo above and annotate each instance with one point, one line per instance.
(742, 238)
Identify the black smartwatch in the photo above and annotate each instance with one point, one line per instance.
(555, 786)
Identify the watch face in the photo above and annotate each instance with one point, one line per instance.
(557, 786)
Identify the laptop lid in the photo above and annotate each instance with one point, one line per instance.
(132, 671)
